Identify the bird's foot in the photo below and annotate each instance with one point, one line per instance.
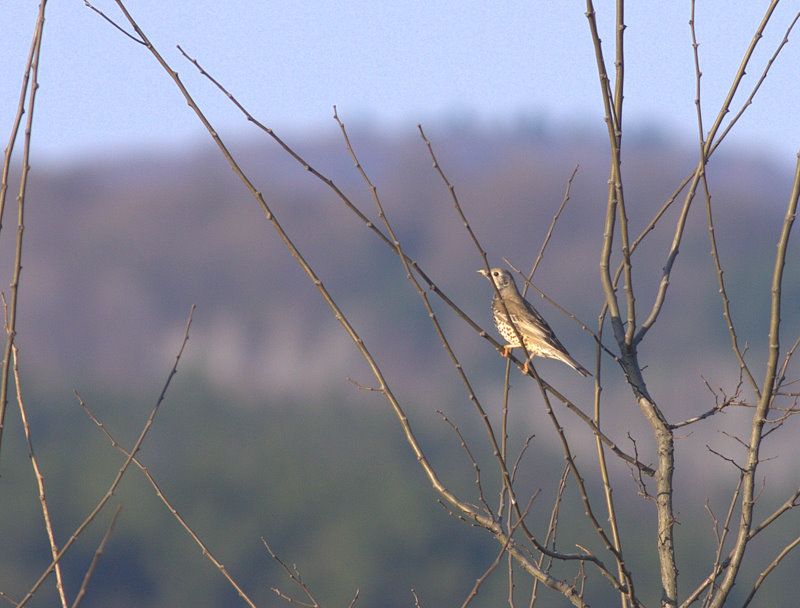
(507, 350)
(525, 368)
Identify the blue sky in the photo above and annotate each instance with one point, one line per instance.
(389, 64)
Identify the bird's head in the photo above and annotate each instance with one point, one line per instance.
(501, 278)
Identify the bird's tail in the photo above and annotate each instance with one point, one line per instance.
(574, 364)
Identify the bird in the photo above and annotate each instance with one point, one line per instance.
(538, 337)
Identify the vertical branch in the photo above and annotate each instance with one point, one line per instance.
(611, 207)
(704, 151)
(625, 336)
(12, 138)
(11, 324)
(608, 489)
(763, 407)
(619, 81)
(37, 471)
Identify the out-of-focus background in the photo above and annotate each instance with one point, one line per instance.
(133, 216)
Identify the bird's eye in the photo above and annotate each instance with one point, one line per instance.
(495, 273)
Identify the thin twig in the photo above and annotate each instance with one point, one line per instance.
(723, 293)
(475, 466)
(768, 570)
(355, 599)
(294, 576)
(758, 83)
(551, 228)
(552, 529)
(723, 535)
(496, 449)
(473, 237)
(608, 490)
(96, 559)
(789, 504)
(37, 472)
(504, 439)
(113, 23)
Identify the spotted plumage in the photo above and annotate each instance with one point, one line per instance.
(539, 339)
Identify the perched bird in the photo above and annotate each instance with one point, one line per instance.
(539, 339)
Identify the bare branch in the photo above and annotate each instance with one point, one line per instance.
(723, 293)
(552, 528)
(37, 472)
(719, 405)
(96, 559)
(113, 23)
(32, 72)
(759, 82)
(767, 389)
(472, 460)
(769, 569)
(608, 490)
(549, 234)
(294, 576)
(725, 458)
(723, 535)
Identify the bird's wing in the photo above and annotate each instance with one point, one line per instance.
(529, 322)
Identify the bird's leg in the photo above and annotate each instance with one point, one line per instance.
(527, 364)
(507, 350)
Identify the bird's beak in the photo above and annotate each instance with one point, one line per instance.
(484, 272)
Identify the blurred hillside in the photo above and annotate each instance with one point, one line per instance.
(264, 435)
(119, 246)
